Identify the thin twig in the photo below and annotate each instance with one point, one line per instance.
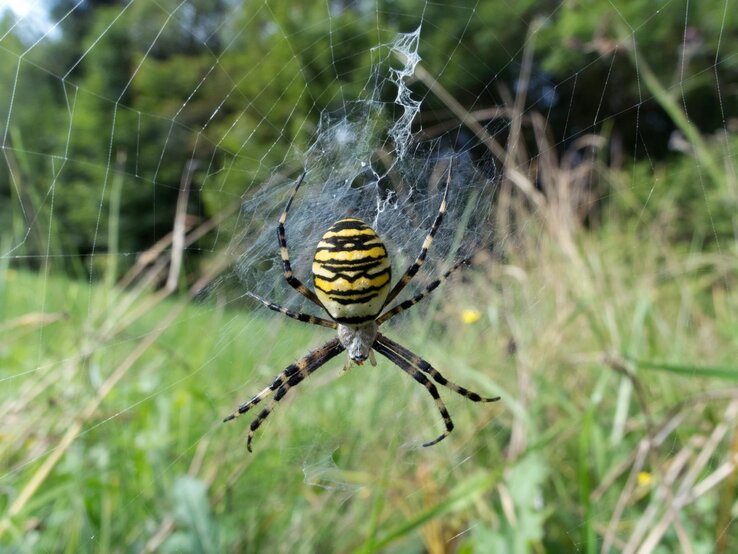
(687, 491)
(178, 231)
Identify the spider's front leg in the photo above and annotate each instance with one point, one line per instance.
(423, 380)
(417, 367)
(292, 376)
(422, 365)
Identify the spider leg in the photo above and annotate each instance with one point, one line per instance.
(413, 269)
(306, 318)
(294, 380)
(290, 377)
(421, 364)
(402, 306)
(293, 281)
(407, 367)
(299, 366)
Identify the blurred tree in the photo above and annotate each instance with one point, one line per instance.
(32, 151)
(135, 90)
(579, 48)
(106, 52)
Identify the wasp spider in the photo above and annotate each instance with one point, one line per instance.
(351, 273)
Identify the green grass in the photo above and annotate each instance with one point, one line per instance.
(111, 406)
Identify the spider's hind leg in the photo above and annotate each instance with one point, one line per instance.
(420, 260)
(284, 253)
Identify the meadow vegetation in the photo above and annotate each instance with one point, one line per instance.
(615, 358)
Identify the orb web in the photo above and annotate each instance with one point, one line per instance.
(366, 161)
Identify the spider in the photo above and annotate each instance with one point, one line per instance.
(351, 274)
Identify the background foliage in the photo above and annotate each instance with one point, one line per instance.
(308, 57)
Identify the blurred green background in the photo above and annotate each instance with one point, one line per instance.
(606, 316)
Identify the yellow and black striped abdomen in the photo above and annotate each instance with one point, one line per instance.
(351, 272)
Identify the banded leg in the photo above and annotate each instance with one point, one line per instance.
(293, 381)
(293, 281)
(413, 269)
(402, 306)
(290, 377)
(421, 364)
(299, 316)
(416, 374)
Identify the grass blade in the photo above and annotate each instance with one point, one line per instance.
(719, 372)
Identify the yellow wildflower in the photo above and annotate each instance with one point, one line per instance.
(470, 316)
(644, 479)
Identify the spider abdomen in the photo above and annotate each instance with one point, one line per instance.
(351, 272)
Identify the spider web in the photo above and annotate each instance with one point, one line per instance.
(206, 153)
(365, 161)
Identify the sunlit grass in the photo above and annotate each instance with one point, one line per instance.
(614, 364)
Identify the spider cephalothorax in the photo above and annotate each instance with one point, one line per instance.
(358, 341)
(352, 277)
